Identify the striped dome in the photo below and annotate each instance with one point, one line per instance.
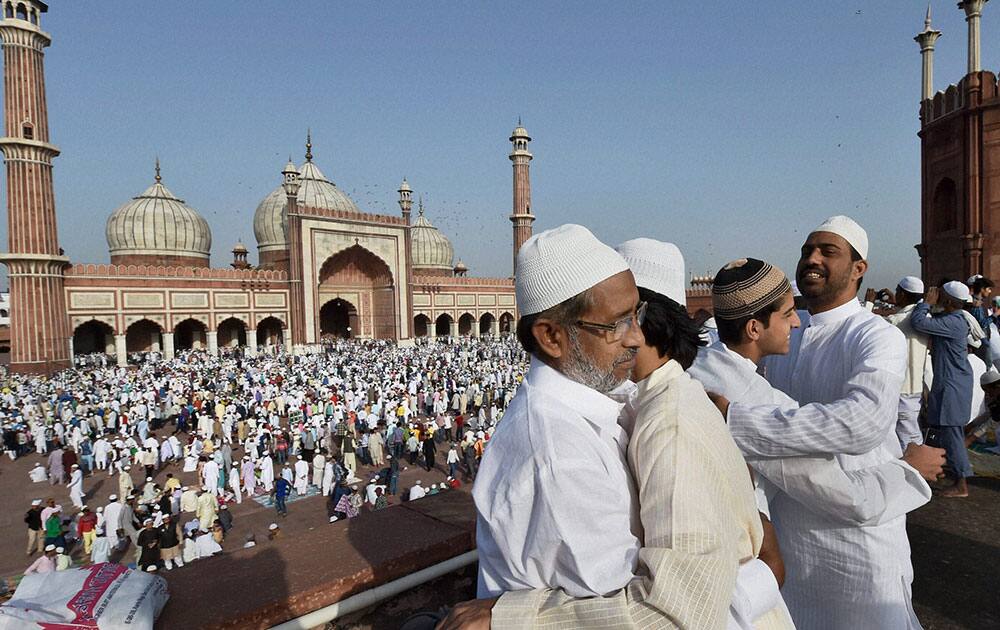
(430, 248)
(156, 223)
(315, 191)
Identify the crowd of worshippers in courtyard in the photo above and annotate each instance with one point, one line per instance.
(271, 427)
(631, 467)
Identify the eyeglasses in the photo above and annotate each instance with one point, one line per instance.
(615, 331)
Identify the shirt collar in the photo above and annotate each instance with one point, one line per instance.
(837, 314)
(737, 357)
(600, 409)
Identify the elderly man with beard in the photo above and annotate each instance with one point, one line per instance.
(845, 367)
(553, 495)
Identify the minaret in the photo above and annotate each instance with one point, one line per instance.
(926, 39)
(40, 334)
(973, 10)
(293, 230)
(521, 216)
(405, 200)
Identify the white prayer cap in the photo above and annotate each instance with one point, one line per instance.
(418, 482)
(60, 549)
(50, 547)
(36, 502)
(149, 478)
(76, 466)
(657, 266)
(272, 526)
(223, 507)
(849, 230)
(958, 291)
(100, 509)
(989, 378)
(972, 279)
(147, 521)
(557, 264)
(113, 497)
(911, 284)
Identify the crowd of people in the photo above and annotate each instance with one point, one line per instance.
(271, 427)
(752, 472)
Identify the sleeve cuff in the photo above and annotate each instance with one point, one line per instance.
(756, 591)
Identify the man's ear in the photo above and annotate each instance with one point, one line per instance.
(751, 330)
(551, 337)
(860, 269)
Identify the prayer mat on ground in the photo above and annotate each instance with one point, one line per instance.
(268, 501)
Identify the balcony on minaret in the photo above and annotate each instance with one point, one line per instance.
(25, 10)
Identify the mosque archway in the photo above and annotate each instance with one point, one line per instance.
(338, 319)
(93, 336)
(486, 324)
(421, 325)
(232, 333)
(190, 334)
(506, 323)
(143, 336)
(270, 332)
(465, 324)
(363, 280)
(442, 327)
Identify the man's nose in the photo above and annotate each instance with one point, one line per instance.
(633, 337)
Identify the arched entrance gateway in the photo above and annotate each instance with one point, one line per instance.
(93, 336)
(270, 333)
(442, 327)
(190, 334)
(232, 333)
(506, 323)
(421, 325)
(465, 324)
(364, 286)
(338, 319)
(143, 336)
(486, 324)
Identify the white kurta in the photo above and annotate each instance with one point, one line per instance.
(846, 369)
(539, 525)
(301, 477)
(862, 497)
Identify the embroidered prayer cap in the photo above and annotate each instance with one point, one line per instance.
(557, 264)
(848, 229)
(657, 266)
(745, 286)
(911, 284)
(958, 291)
(36, 502)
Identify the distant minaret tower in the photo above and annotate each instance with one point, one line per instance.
(39, 325)
(926, 39)
(521, 216)
(973, 11)
(405, 200)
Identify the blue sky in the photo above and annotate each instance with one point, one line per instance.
(729, 128)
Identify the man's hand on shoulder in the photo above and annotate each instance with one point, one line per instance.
(927, 460)
(474, 614)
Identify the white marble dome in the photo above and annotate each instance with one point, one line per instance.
(315, 191)
(157, 223)
(431, 250)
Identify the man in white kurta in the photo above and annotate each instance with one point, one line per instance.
(76, 486)
(113, 520)
(301, 477)
(845, 368)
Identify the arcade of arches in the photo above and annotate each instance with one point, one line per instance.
(356, 291)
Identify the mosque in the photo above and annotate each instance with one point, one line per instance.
(326, 268)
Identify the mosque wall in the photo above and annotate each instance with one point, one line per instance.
(462, 305)
(172, 308)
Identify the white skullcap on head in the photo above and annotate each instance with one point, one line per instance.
(273, 526)
(957, 290)
(557, 264)
(848, 229)
(990, 377)
(912, 284)
(657, 266)
(972, 279)
(50, 547)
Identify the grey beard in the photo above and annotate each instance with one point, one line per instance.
(580, 369)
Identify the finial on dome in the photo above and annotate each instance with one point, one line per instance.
(420, 205)
(157, 169)
(519, 120)
(927, 20)
(309, 146)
